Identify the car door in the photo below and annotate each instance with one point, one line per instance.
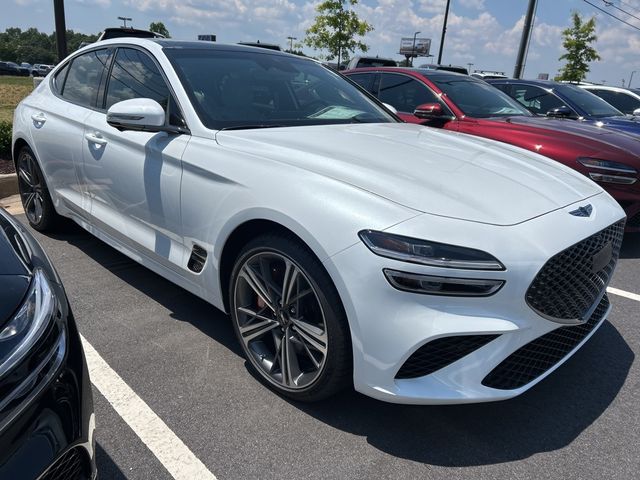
(57, 127)
(133, 176)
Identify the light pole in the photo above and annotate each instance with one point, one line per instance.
(630, 78)
(124, 20)
(444, 30)
(61, 29)
(524, 40)
(413, 47)
(469, 69)
(291, 39)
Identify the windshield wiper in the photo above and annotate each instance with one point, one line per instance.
(250, 127)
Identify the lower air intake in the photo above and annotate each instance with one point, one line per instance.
(536, 357)
(441, 352)
(73, 465)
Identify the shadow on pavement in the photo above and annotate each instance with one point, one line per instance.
(107, 469)
(547, 418)
(184, 306)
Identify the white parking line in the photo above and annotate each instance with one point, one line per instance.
(622, 293)
(174, 455)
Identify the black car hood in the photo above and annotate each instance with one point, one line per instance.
(14, 259)
(15, 268)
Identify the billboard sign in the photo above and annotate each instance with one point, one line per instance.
(422, 47)
(543, 76)
(207, 38)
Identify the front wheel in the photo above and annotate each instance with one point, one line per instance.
(289, 319)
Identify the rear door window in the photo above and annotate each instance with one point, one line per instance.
(365, 80)
(83, 80)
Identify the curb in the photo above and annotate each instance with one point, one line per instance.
(8, 185)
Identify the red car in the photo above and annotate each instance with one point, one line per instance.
(465, 104)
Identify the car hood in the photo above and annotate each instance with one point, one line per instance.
(425, 169)
(586, 132)
(14, 274)
(628, 123)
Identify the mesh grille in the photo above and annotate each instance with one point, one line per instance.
(441, 352)
(73, 465)
(571, 282)
(532, 360)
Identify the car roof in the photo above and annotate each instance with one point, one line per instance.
(170, 44)
(540, 83)
(426, 72)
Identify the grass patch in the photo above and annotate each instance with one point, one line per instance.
(12, 90)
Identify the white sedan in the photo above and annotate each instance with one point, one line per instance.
(419, 266)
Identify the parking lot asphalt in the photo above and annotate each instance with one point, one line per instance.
(180, 356)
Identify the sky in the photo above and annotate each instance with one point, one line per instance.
(485, 33)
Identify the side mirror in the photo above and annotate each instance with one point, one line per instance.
(560, 112)
(427, 111)
(393, 110)
(142, 114)
(636, 112)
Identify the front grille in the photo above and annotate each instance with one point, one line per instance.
(439, 353)
(571, 282)
(73, 465)
(536, 357)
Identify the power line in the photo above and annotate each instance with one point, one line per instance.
(611, 14)
(634, 7)
(611, 4)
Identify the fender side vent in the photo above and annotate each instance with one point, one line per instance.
(197, 259)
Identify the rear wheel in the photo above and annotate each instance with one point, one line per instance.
(34, 193)
(289, 319)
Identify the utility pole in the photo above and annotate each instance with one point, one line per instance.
(444, 31)
(469, 65)
(125, 19)
(524, 40)
(291, 39)
(413, 48)
(61, 29)
(630, 78)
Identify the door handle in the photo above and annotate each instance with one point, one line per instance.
(93, 138)
(38, 117)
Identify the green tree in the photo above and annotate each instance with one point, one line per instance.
(577, 41)
(158, 27)
(337, 29)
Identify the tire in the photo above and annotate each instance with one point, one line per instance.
(34, 193)
(287, 312)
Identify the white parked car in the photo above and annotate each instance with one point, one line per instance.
(627, 100)
(419, 265)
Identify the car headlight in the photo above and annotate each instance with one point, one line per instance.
(26, 327)
(612, 168)
(425, 252)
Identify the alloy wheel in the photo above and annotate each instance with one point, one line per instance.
(280, 320)
(31, 187)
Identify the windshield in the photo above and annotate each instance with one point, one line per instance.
(477, 98)
(248, 89)
(591, 104)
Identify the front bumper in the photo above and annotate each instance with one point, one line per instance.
(388, 326)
